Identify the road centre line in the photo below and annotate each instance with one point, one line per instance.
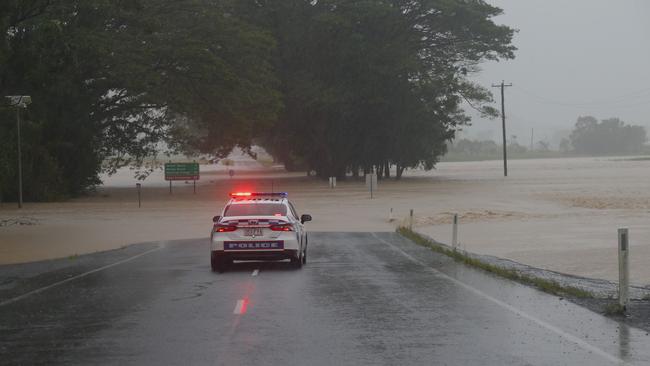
(240, 307)
(39, 290)
(580, 342)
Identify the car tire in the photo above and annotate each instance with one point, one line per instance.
(304, 251)
(296, 262)
(217, 263)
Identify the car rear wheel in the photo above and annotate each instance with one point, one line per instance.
(296, 262)
(218, 264)
(304, 252)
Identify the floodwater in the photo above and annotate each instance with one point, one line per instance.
(558, 214)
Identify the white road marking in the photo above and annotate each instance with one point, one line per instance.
(39, 290)
(255, 272)
(570, 337)
(240, 308)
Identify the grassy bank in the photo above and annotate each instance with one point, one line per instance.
(545, 285)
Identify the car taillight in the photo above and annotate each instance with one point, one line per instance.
(224, 229)
(282, 228)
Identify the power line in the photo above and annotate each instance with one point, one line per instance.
(623, 98)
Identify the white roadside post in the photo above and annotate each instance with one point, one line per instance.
(623, 267)
(332, 182)
(454, 233)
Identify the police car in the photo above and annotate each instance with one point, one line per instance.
(258, 226)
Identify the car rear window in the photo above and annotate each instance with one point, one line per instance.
(256, 209)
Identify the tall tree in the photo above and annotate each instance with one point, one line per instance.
(111, 80)
(373, 83)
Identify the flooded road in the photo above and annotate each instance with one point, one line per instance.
(557, 214)
(362, 299)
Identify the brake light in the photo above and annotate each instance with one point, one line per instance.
(224, 229)
(282, 228)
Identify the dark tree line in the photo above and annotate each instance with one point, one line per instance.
(335, 86)
(609, 136)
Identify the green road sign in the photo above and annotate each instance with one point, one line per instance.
(181, 171)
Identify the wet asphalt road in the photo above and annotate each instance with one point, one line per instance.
(362, 299)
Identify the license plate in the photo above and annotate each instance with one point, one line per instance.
(253, 231)
(253, 245)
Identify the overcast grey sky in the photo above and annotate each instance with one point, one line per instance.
(575, 57)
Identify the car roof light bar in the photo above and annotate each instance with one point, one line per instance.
(258, 194)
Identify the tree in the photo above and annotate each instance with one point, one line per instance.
(369, 84)
(112, 80)
(610, 136)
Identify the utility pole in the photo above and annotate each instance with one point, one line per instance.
(503, 120)
(532, 133)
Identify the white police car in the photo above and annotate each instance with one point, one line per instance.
(258, 226)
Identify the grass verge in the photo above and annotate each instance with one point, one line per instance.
(614, 309)
(545, 285)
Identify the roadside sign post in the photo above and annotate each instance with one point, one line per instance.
(19, 101)
(623, 267)
(181, 171)
(371, 183)
(139, 187)
(20, 162)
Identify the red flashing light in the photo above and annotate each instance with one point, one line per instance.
(282, 228)
(241, 194)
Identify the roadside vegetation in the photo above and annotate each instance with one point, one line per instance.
(614, 309)
(333, 86)
(545, 285)
(609, 137)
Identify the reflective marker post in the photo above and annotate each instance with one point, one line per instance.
(623, 267)
(454, 234)
(332, 182)
(411, 220)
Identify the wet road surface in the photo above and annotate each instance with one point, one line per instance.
(362, 299)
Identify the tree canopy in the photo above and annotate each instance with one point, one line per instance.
(609, 136)
(334, 86)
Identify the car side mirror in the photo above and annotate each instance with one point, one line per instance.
(305, 218)
(216, 219)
